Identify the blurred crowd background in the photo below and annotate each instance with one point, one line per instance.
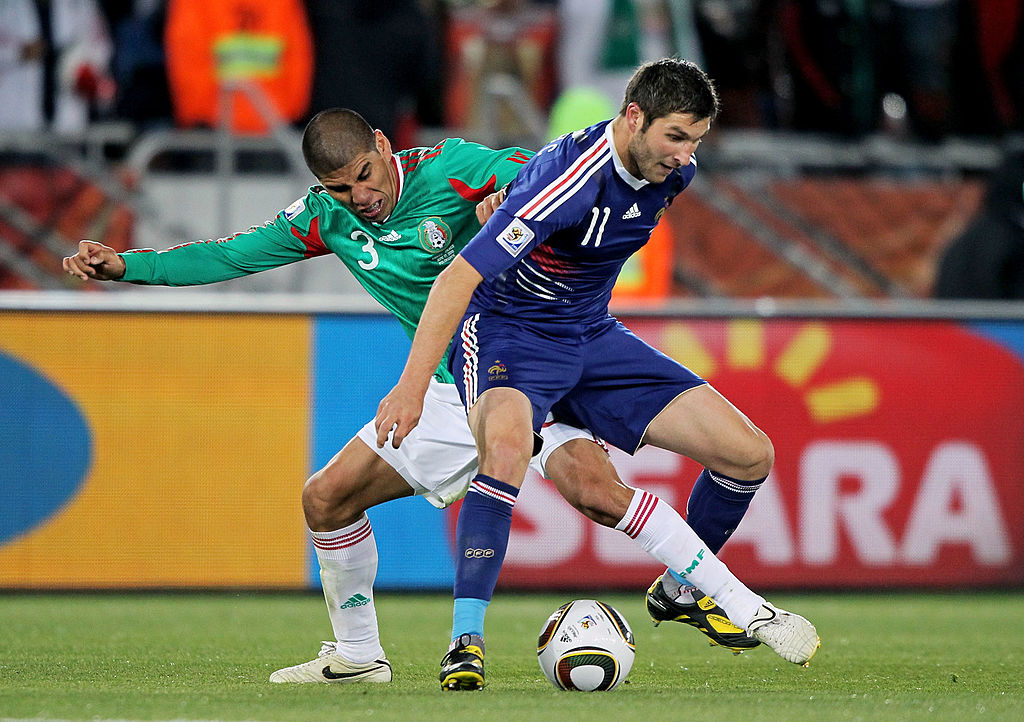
(866, 148)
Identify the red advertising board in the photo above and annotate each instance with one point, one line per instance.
(899, 461)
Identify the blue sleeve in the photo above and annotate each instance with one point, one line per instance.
(545, 198)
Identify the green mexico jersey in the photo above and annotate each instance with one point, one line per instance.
(395, 260)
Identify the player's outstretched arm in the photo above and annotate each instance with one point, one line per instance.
(449, 296)
(95, 261)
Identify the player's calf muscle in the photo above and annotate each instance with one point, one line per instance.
(605, 504)
(581, 472)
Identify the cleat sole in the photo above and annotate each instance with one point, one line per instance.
(462, 681)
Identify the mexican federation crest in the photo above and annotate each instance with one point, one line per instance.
(435, 235)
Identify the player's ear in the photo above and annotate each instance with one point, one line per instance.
(634, 117)
(383, 144)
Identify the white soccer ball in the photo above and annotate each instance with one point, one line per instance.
(586, 645)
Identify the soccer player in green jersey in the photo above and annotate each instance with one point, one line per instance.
(396, 220)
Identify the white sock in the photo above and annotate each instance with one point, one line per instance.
(348, 567)
(663, 534)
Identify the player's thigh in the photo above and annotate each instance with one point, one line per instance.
(438, 458)
(561, 440)
(502, 423)
(358, 478)
(705, 426)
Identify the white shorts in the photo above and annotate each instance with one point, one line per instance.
(438, 458)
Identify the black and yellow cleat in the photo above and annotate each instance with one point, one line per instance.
(462, 668)
(704, 614)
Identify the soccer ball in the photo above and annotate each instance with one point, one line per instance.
(585, 645)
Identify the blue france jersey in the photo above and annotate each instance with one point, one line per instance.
(572, 217)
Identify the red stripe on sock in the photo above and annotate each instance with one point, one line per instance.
(493, 493)
(343, 541)
(643, 512)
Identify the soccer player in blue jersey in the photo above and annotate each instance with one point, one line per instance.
(395, 219)
(527, 302)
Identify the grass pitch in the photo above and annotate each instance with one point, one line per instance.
(208, 656)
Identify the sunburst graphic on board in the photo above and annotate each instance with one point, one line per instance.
(795, 364)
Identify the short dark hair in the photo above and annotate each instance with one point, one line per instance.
(333, 137)
(671, 85)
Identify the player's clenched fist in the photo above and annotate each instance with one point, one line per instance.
(95, 261)
(485, 208)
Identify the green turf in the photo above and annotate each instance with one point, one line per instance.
(207, 656)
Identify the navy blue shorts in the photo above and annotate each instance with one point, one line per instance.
(600, 377)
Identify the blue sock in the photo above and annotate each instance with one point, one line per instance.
(481, 538)
(468, 617)
(716, 506)
(678, 577)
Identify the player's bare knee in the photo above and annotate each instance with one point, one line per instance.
(326, 502)
(756, 458)
(767, 454)
(315, 501)
(505, 461)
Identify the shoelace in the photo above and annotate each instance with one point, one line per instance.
(464, 641)
(327, 648)
(447, 659)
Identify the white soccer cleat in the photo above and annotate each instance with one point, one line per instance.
(331, 668)
(790, 635)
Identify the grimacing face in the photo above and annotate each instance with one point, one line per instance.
(367, 185)
(666, 144)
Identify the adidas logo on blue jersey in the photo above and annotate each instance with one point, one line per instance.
(633, 212)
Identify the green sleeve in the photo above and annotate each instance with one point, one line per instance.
(290, 236)
(477, 170)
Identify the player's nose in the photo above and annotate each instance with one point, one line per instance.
(684, 154)
(361, 195)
